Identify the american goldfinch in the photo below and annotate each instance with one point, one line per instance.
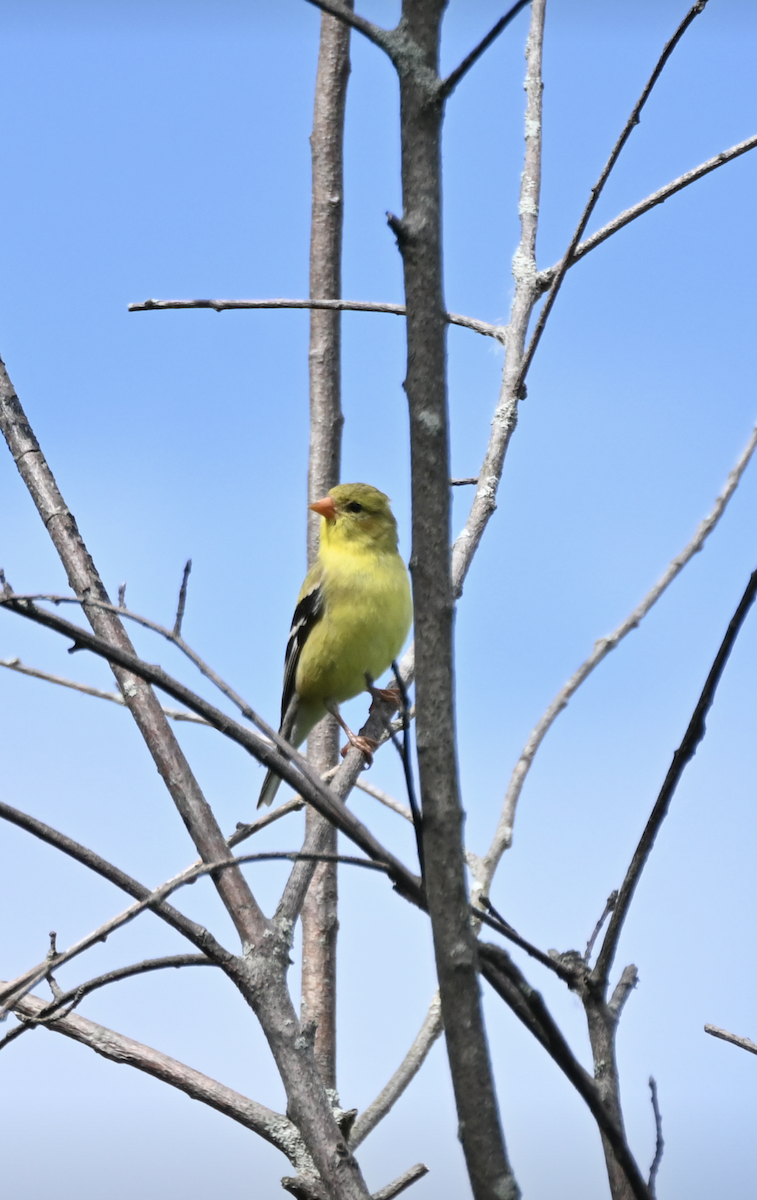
(352, 617)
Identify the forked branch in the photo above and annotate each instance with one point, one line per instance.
(683, 755)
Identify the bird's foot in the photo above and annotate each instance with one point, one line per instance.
(390, 695)
(366, 746)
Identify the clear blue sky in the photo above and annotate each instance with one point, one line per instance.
(161, 149)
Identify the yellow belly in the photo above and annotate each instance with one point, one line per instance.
(367, 617)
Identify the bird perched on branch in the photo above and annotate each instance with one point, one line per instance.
(352, 617)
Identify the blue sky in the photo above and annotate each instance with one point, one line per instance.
(162, 150)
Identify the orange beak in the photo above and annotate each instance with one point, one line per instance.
(325, 508)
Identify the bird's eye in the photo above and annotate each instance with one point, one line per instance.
(354, 507)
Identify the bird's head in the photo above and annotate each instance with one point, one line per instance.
(359, 514)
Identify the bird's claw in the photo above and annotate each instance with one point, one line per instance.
(390, 695)
(366, 746)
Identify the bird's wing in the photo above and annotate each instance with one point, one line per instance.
(307, 614)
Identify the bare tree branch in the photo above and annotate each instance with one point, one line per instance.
(15, 664)
(374, 33)
(450, 83)
(159, 738)
(411, 1064)
(319, 913)
(596, 191)
(609, 906)
(244, 831)
(419, 239)
(15, 989)
(195, 933)
(528, 1006)
(169, 634)
(384, 798)
(299, 776)
(743, 1042)
(659, 1140)
(397, 310)
(504, 833)
(683, 755)
(524, 299)
(545, 278)
(64, 1003)
(272, 1126)
(401, 1183)
(182, 599)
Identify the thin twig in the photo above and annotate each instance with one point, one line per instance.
(524, 298)
(463, 482)
(609, 906)
(659, 1140)
(405, 1073)
(169, 634)
(546, 277)
(289, 764)
(450, 83)
(195, 933)
(65, 1002)
(407, 766)
(401, 1183)
(596, 191)
(182, 598)
(244, 831)
(384, 798)
(489, 916)
(17, 988)
(744, 1043)
(485, 328)
(503, 836)
(683, 755)
(15, 664)
(374, 33)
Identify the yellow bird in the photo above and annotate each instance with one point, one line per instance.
(353, 615)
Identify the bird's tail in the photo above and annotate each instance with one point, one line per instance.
(268, 790)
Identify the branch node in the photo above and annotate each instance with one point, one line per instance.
(397, 227)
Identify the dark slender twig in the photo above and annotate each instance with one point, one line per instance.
(182, 598)
(544, 278)
(463, 482)
(16, 989)
(195, 933)
(596, 191)
(64, 1003)
(609, 906)
(407, 765)
(450, 83)
(375, 33)
(659, 1140)
(683, 755)
(743, 1042)
(169, 634)
(398, 310)
(493, 919)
